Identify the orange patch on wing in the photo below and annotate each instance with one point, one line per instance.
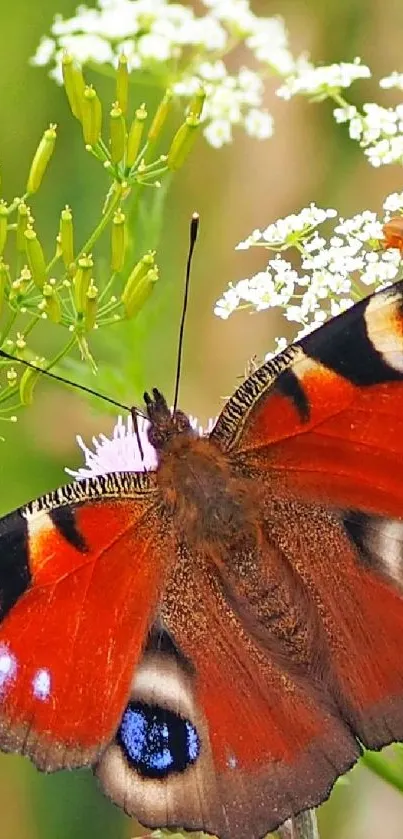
(276, 416)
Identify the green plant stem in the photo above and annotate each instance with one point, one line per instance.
(14, 390)
(8, 325)
(106, 218)
(384, 769)
(303, 826)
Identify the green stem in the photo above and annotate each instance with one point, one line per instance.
(303, 826)
(106, 218)
(384, 769)
(8, 325)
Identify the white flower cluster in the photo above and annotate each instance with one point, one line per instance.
(321, 82)
(159, 37)
(379, 131)
(332, 270)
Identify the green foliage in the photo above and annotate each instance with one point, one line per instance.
(72, 289)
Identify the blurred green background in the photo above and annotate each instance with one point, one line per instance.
(236, 189)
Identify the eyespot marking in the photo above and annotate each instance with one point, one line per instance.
(41, 684)
(157, 742)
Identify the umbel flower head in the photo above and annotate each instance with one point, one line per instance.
(184, 50)
(120, 452)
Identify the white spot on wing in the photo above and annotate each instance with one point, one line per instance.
(388, 545)
(8, 666)
(41, 684)
(382, 319)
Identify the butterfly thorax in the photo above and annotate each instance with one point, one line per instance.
(199, 490)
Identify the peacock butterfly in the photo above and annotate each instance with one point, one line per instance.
(219, 637)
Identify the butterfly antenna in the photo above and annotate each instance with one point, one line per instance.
(194, 229)
(135, 417)
(76, 385)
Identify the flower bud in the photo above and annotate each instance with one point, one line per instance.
(160, 117)
(22, 222)
(35, 257)
(52, 305)
(91, 307)
(3, 225)
(74, 84)
(139, 285)
(41, 159)
(4, 281)
(11, 376)
(20, 285)
(28, 381)
(118, 240)
(183, 142)
(135, 135)
(118, 134)
(122, 83)
(91, 116)
(197, 102)
(66, 237)
(81, 281)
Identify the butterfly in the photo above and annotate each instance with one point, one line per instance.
(219, 637)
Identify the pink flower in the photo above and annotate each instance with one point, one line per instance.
(121, 453)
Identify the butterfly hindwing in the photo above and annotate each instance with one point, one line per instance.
(79, 580)
(269, 743)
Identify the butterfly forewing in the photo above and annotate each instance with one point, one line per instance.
(90, 570)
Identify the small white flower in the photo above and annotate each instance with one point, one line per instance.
(44, 52)
(258, 124)
(394, 202)
(394, 80)
(313, 81)
(218, 133)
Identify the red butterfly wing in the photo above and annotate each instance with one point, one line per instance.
(326, 416)
(79, 580)
(321, 428)
(270, 743)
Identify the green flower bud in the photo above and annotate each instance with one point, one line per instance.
(139, 285)
(183, 142)
(11, 377)
(52, 305)
(81, 281)
(66, 236)
(197, 102)
(22, 222)
(4, 281)
(118, 240)
(91, 116)
(135, 135)
(35, 257)
(19, 286)
(28, 381)
(91, 307)
(118, 133)
(160, 117)
(122, 83)
(3, 225)
(74, 84)
(41, 159)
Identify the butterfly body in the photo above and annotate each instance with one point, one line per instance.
(217, 637)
